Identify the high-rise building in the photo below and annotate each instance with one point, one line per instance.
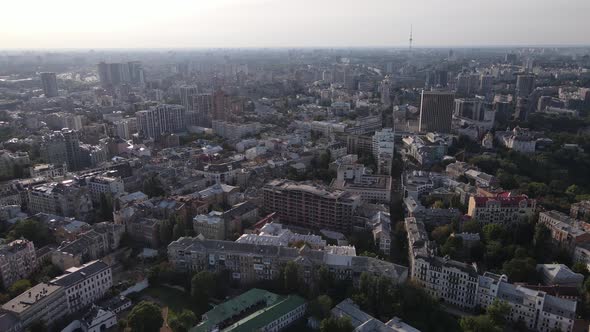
(486, 84)
(114, 74)
(474, 109)
(525, 84)
(49, 81)
(72, 142)
(219, 105)
(203, 107)
(436, 111)
(161, 119)
(186, 97)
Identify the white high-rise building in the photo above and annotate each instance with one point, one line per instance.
(161, 119)
(383, 149)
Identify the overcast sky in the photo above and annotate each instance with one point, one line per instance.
(290, 23)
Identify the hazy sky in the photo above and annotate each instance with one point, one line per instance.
(287, 23)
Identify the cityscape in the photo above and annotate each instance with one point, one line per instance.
(264, 182)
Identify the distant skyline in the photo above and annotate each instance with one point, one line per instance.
(30, 24)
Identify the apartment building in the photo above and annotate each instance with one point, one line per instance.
(17, 261)
(64, 198)
(159, 120)
(13, 162)
(353, 178)
(503, 208)
(566, 231)
(211, 226)
(580, 210)
(85, 284)
(539, 311)
(104, 185)
(253, 262)
(310, 206)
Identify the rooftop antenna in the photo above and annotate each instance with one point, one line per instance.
(411, 38)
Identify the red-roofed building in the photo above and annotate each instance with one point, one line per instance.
(502, 208)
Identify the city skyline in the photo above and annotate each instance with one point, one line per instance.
(278, 24)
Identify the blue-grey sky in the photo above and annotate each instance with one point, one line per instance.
(290, 23)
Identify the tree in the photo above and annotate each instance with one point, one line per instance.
(203, 286)
(145, 317)
(19, 286)
(153, 187)
(320, 307)
(582, 268)
(441, 233)
(452, 246)
(471, 226)
(439, 204)
(498, 311)
(481, 323)
(493, 232)
(291, 277)
(183, 321)
(106, 207)
(31, 230)
(38, 326)
(334, 324)
(520, 269)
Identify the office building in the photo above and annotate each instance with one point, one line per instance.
(49, 81)
(161, 119)
(311, 206)
(43, 302)
(436, 111)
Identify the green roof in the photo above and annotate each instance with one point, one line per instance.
(235, 307)
(265, 316)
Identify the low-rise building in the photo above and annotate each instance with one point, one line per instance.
(254, 310)
(559, 275)
(354, 179)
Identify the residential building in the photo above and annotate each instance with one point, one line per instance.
(436, 111)
(65, 198)
(565, 231)
(250, 263)
(43, 302)
(383, 149)
(48, 170)
(580, 210)
(276, 235)
(104, 185)
(235, 131)
(49, 82)
(161, 119)
(18, 260)
(503, 208)
(186, 96)
(13, 164)
(538, 310)
(363, 322)
(85, 284)
(223, 172)
(211, 226)
(424, 150)
(310, 206)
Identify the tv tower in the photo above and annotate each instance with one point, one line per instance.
(411, 38)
